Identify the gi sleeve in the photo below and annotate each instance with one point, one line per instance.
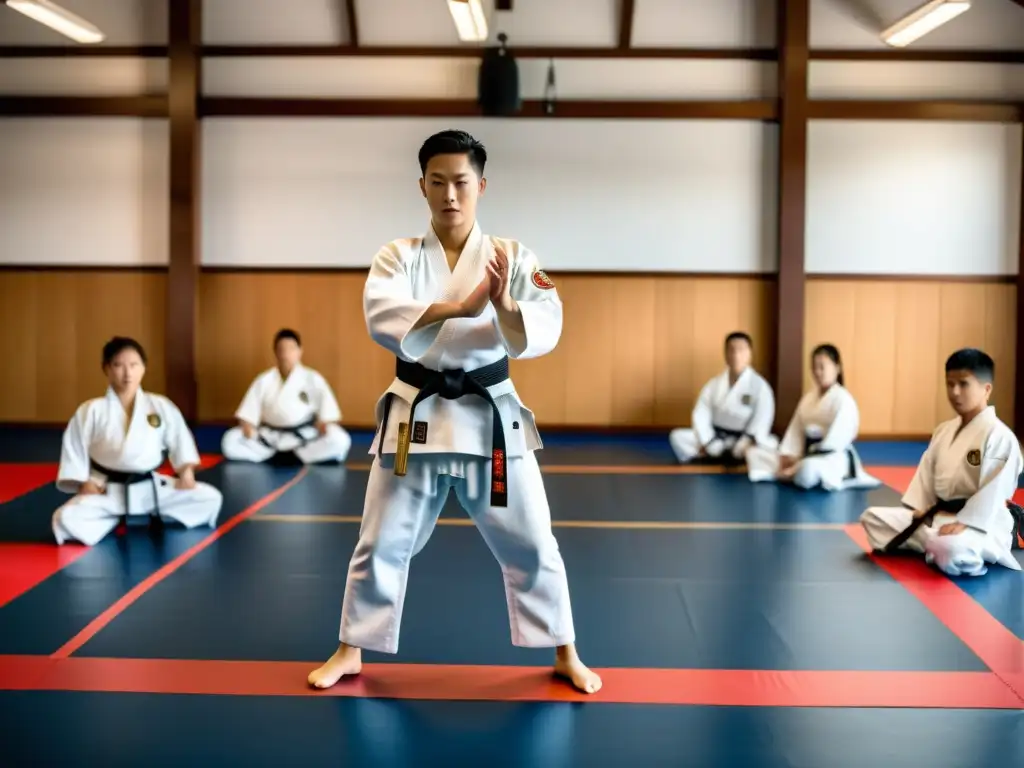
(761, 422)
(702, 418)
(795, 437)
(75, 467)
(250, 410)
(390, 309)
(539, 304)
(1000, 470)
(921, 494)
(178, 439)
(328, 410)
(844, 427)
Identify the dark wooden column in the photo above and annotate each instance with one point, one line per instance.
(793, 43)
(1018, 397)
(184, 60)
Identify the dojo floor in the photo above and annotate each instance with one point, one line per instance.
(735, 625)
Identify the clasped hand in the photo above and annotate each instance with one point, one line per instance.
(493, 288)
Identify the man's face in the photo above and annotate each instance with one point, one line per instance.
(452, 188)
(966, 392)
(737, 355)
(125, 371)
(288, 353)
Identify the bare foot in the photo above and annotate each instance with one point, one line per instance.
(569, 666)
(345, 661)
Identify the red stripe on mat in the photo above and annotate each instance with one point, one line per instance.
(973, 690)
(999, 648)
(111, 613)
(23, 566)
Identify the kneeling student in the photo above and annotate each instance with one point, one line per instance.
(957, 510)
(112, 449)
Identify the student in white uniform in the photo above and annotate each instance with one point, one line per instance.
(289, 412)
(817, 449)
(111, 450)
(957, 511)
(734, 411)
(463, 303)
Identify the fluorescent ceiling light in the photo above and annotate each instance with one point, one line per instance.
(57, 18)
(470, 22)
(925, 19)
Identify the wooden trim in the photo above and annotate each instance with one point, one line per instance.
(84, 106)
(82, 52)
(184, 86)
(626, 17)
(917, 54)
(226, 106)
(77, 267)
(474, 51)
(911, 278)
(794, 36)
(277, 269)
(971, 111)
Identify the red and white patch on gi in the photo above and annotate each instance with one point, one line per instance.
(541, 280)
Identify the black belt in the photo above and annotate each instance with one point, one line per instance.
(721, 432)
(942, 505)
(133, 478)
(296, 430)
(452, 384)
(811, 449)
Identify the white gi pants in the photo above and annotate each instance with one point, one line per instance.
(686, 446)
(830, 471)
(398, 519)
(332, 446)
(87, 518)
(967, 553)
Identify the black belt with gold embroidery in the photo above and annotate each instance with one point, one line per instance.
(133, 478)
(942, 505)
(452, 384)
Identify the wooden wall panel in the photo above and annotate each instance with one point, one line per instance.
(635, 350)
(53, 324)
(895, 336)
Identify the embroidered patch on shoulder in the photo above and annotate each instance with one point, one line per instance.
(303, 397)
(746, 400)
(154, 420)
(541, 280)
(974, 457)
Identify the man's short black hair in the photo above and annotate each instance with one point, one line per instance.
(739, 336)
(453, 142)
(119, 344)
(287, 333)
(977, 362)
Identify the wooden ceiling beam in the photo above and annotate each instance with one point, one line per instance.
(627, 12)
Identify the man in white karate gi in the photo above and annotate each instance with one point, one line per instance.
(734, 411)
(289, 412)
(111, 450)
(454, 306)
(957, 510)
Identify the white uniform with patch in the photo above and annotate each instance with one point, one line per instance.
(400, 512)
(748, 406)
(831, 421)
(99, 432)
(980, 462)
(273, 401)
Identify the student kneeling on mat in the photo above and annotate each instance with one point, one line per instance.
(957, 511)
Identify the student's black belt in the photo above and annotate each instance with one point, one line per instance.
(942, 505)
(133, 478)
(722, 432)
(296, 430)
(811, 448)
(452, 384)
